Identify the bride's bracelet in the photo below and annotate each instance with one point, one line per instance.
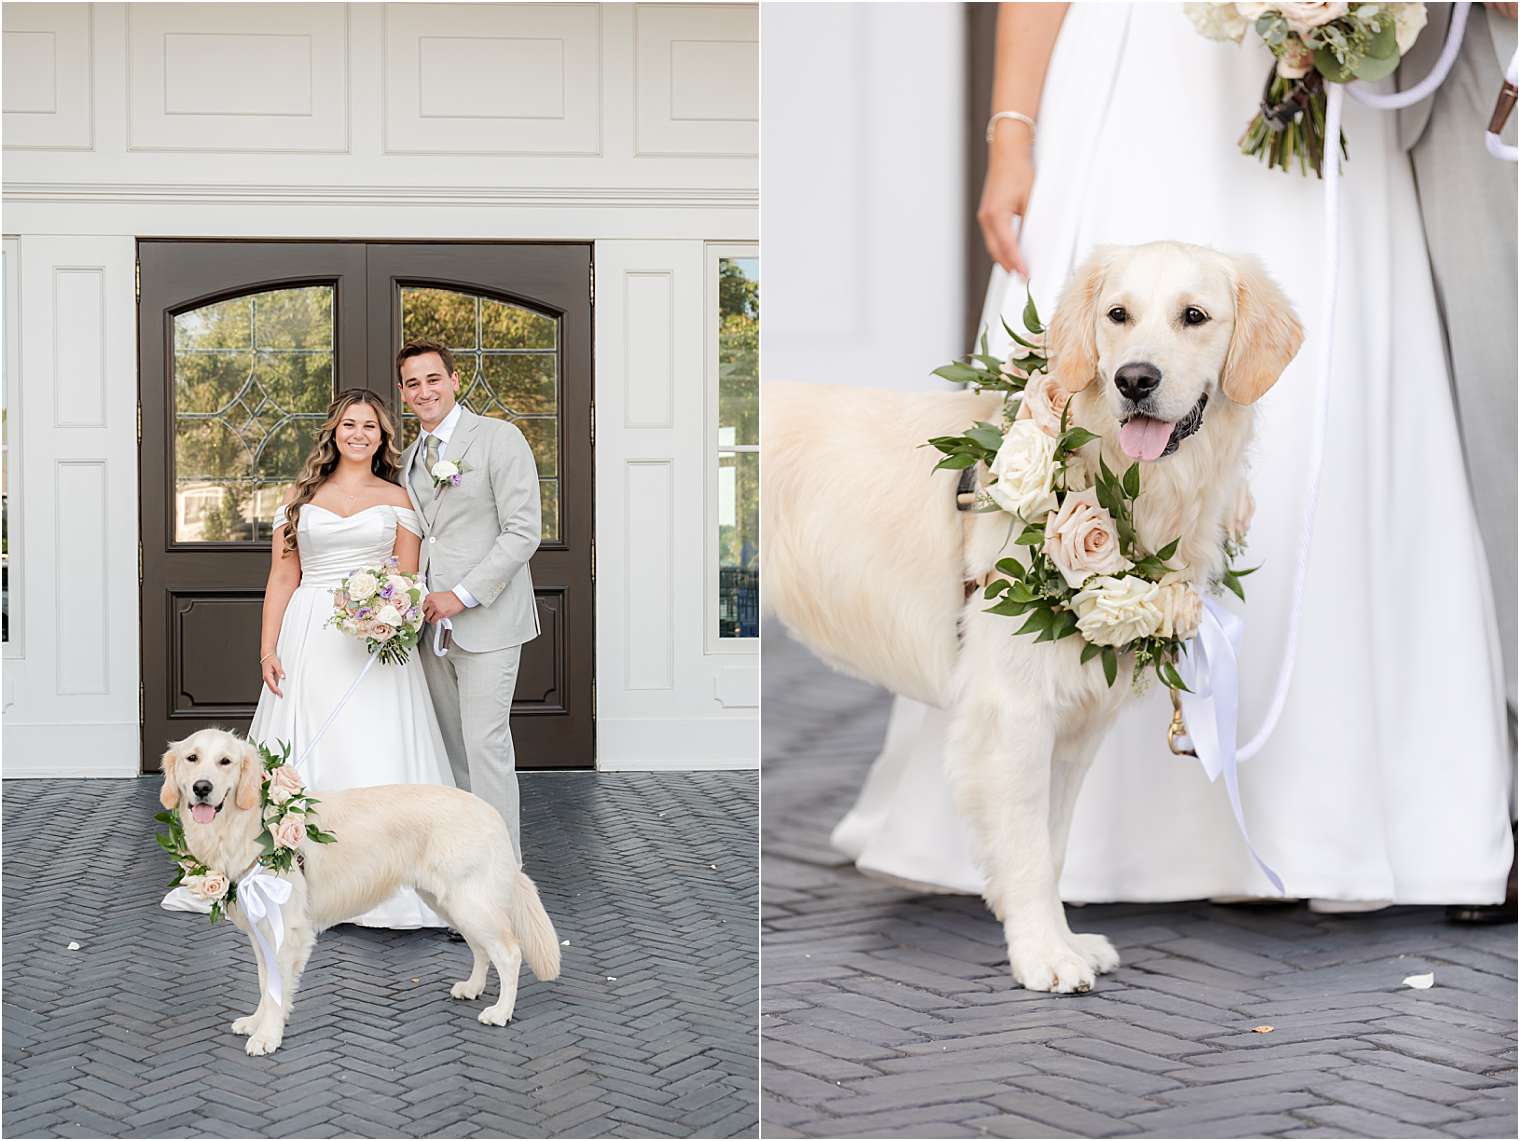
(266, 657)
(1016, 116)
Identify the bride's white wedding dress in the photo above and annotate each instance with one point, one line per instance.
(387, 733)
(1388, 777)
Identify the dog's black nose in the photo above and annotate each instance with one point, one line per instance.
(1137, 381)
(202, 788)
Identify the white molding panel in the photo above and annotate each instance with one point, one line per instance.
(867, 223)
(49, 71)
(73, 697)
(698, 79)
(663, 701)
(237, 77)
(492, 79)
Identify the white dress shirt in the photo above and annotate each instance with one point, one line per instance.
(443, 432)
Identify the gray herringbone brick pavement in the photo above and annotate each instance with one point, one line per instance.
(886, 1013)
(649, 1032)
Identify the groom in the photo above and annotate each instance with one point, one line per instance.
(478, 533)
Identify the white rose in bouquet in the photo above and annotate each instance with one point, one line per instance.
(1115, 611)
(1408, 22)
(1304, 18)
(399, 587)
(1296, 60)
(389, 615)
(1220, 21)
(362, 586)
(1081, 539)
(1025, 471)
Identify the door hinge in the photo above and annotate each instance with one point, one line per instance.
(137, 279)
(139, 563)
(139, 421)
(593, 560)
(593, 697)
(142, 704)
(593, 425)
(591, 290)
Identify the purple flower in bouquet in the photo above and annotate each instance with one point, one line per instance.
(454, 480)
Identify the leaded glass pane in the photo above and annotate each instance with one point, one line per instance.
(738, 351)
(508, 362)
(739, 545)
(253, 377)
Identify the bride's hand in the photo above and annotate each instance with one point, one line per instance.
(1010, 175)
(274, 673)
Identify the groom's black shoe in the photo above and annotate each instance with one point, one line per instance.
(453, 936)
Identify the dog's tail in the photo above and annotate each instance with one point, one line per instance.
(533, 928)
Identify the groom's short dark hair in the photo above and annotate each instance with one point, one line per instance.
(418, 347)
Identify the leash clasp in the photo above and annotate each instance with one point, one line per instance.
(1177, 730)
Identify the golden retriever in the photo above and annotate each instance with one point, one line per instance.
(452, 847)
(866, 556)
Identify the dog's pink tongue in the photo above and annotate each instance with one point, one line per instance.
(1143, 438)
(203, 813)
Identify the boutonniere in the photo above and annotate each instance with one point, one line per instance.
(446, 473)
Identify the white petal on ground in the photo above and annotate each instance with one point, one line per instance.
(1421, 982)
(73, 946)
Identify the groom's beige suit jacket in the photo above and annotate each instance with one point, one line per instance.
(481, 534)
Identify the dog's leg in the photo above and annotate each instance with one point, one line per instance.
(472, 986)
(485, 925)
(1000, 759)
(249, 1022)
(1073, 757)
(290, 961)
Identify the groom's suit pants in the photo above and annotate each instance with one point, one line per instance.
(472, 694)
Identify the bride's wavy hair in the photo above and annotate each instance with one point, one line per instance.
(323, 460)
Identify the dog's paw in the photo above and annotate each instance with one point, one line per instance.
(264, 1042)
(246, 1024)
(465, 990)
(495, 1016)
(1097, 950)
(1057, 969)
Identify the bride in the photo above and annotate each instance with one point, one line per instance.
(1387, 778)
(345, 511)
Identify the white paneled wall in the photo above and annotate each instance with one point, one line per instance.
(657, 685)
(72, 693)
(863, 212)
(634, 126)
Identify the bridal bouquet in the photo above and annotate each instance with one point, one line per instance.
(1086, 572)
(1313, 43)
(382, 606)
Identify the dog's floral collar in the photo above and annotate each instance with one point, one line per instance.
(284, 806)
(1086, 572)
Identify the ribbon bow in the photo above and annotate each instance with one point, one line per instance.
(1210, 670)
(261, 893)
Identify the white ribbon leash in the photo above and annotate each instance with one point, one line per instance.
(260, 894)
(1211, 710)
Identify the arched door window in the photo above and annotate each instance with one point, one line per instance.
(253, 376)
(508, 361)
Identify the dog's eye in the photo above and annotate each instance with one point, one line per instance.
(190, 760)
(1118, 314)
(1193, 315)
(225, 761)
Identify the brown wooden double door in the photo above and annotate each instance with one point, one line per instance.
(241, 348)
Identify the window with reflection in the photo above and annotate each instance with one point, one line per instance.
(738, 384)
(508, 361)
(7, 408)
(253, 376)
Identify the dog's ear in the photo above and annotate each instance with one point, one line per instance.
(251, 777)
(1267, 334)
(1072, 337)
(168, 796)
